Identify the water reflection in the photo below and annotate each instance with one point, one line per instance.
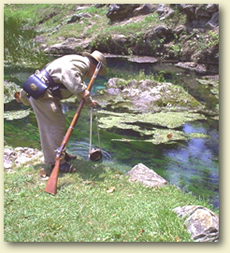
(194, 167)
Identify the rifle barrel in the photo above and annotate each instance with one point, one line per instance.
(51, 186)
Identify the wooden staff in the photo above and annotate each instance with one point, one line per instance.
(51, 186)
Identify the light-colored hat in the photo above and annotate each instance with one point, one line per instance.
(99, 57)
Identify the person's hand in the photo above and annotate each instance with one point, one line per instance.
(85, 94)
(17, 97)
(94, 104)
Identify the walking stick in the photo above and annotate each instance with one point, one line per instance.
(51, 186)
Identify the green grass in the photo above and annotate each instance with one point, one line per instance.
(45, 14)
(96, 204)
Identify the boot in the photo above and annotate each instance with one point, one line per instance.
(64, 168)
(69, 157)
(67, 168)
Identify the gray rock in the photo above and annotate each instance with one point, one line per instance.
(201, 15)
(69, 46)
(148, 177)
(74, 18)
(201, 223)
(99, 5)
(164, 11)
(144, 9)
(189, 10)
(20, 155)
(212, 8)
(199, 68)
(142, 59)
(213, 22)
(179, 30)
(7, 161)
(118, 39)
(119, 12)
(161, 30)
(165, 32)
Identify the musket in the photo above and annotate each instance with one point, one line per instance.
(51, 186)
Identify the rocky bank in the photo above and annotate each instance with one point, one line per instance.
(185, 33)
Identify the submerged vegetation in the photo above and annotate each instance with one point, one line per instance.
(151, 124)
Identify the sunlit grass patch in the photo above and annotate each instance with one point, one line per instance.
(96, 204)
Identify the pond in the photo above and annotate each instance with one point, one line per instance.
(191, 165)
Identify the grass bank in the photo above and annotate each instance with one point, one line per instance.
(95, 204)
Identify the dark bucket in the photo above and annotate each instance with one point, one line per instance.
(95, 155)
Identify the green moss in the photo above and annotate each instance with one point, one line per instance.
(161, 126)
(212, 85)
(165, 136)
(162, 119)
(12, 115)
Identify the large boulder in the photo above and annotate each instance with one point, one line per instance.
(201, 223)
(69, 46)
(201, 15)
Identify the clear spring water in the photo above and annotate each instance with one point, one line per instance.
(192, 165)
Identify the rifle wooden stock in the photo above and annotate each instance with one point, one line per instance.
(51, 186)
